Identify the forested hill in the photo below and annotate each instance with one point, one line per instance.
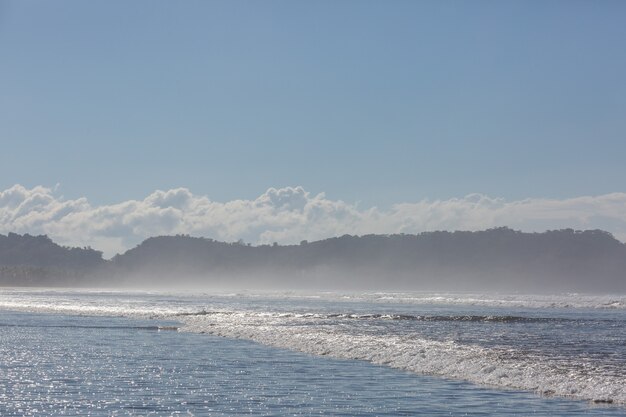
(496, 259)
(499, 259)
(37, 260)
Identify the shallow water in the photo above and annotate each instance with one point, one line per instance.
(78, 364)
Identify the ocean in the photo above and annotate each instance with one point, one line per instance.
(103, 353)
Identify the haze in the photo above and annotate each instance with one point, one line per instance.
(499, 259)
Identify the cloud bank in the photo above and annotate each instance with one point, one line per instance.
(286, 215)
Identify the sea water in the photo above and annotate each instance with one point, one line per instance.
(135, 353)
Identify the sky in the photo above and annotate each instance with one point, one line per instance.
(332, 116)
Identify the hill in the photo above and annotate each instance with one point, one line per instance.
(37, 260)
(496, 259)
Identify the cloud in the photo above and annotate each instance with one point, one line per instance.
(286, 215)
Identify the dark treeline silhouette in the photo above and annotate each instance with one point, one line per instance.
(495, 259)
(37, 260)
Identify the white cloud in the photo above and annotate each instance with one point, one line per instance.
(286, 215)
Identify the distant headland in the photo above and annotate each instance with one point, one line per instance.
(499, 259)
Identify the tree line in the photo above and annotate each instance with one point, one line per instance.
(498, 259)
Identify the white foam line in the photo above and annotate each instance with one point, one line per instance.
(95, 310)
(448, 359)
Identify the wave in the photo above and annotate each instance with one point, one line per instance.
(538, 301)
(532, 301)
(74, 326)
(378, 316)
(482, 299)
(505, 368)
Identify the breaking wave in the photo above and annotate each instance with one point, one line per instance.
(377, 316)
(507, 368)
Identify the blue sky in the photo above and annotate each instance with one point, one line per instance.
(371, 102)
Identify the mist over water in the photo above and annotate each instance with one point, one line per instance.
(492, 260)
(501, 259)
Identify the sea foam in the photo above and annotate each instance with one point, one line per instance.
(495, 367)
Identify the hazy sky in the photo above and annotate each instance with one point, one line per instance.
(380, 103)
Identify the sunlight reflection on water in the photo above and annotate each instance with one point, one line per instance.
(60, 365)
